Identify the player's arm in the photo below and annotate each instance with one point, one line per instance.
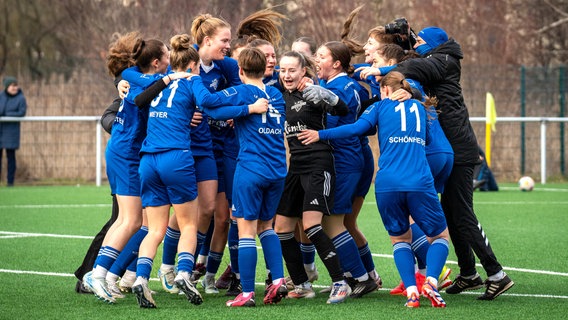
(355, 129)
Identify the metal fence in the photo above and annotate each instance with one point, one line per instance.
(65, 150)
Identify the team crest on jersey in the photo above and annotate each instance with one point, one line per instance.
(214, 84)
(271, 82)
(298, 105)
(230, 92)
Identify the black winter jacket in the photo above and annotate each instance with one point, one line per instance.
(439, 72)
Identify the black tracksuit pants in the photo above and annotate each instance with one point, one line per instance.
(465, 230)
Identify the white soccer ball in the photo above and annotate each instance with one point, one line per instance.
(526, 184)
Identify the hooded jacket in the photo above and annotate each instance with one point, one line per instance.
(11, 106)
(440, 72)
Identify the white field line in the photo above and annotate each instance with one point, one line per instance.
(68, 275)
(52, 206)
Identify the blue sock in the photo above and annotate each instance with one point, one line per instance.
(213, 261)
(404, 261)
(185, 262)
(419, 245)
(308, 252)
(144, 267)
(108, 257)
(272, 253)
(349, 255)
(437, 255)
(367, 257)
(132, 265)
(171, 241)
(101, 250)
(129, 253)
(207, 244)
(233, 242)
(200, 240)
(247, 260)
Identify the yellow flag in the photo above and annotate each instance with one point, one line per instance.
(490, 113)
(490, 120)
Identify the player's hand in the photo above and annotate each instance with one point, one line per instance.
(304, 83)
(197, 118)
(308, 136)
(123, 87)
(368, 71)
(400, 95)
(260, 106)
(316, 94)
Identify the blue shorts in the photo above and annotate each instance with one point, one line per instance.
(205, 168)
(167, 178)
(345, 186)
(441, 165)
(423, 206)
(255, 197)
(367, 174)
(230, 164)
(122, 174)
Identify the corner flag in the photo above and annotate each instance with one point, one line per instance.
(490, 121)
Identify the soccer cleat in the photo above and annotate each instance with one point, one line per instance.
(430, 291)
(420, 279)
(304, 290)
(445, 274)
(143, 295)
(289, 283)
(235, 287)
(167, 277)
(461, 284)
(98, 287)
(275, 292)
(127, 281)
(208, 284)
(313, 275)
(185, 285)
(495, 288)
(339, 292)
(377, 278)
(413, 301)
(225, 279)
(361, 288)
(80, 288)
(198, 271)
(399, 290)
(241, 301)
(114, 290)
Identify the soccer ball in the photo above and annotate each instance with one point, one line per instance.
(526, 184)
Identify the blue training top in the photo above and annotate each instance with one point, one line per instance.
(347, 151)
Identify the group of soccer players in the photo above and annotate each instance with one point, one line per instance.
(203, 133)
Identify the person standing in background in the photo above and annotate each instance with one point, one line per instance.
(12, 104)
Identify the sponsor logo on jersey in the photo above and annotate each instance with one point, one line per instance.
(298, 105)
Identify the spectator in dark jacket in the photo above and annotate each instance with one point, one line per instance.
(439, 71)
(12, 104)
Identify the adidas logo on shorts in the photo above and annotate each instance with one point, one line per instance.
(315, 202)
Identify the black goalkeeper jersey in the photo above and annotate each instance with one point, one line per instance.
(302, 115)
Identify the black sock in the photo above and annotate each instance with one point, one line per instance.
(326, 251)
(293, 257)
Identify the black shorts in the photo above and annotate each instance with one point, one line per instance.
(312, 191)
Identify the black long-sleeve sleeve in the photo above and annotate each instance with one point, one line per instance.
(143, 99)
(107, 119)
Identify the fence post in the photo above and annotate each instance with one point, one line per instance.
(523, 106)
(543, 151)
(562, 102)
(98, 164)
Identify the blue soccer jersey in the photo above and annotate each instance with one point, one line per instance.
(261, 136)
(347, 151)
(129, 128)
(402, 135)
(273, 80)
